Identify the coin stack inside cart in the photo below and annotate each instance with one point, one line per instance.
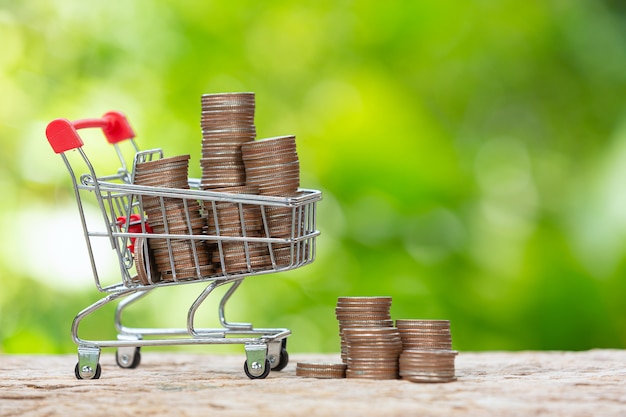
(272, 165)
(227, 122)
(179, 259)
(237, 220)
(427, 354)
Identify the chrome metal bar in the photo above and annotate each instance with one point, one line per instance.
(225, 298)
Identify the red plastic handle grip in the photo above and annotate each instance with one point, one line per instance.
(63, 136)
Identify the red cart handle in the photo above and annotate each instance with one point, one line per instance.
(63, 136)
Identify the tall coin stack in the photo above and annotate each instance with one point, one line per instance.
(227, 122)
(235, 220)
(173, 216)
(272, 165)
(361, 312)
(427, 354)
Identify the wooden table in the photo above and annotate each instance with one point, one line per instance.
(591, 383)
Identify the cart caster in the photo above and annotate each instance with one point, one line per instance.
(88, 366)
(257, 364)
(256, 370)
(279, 358)
(128, 358)
(86, 372)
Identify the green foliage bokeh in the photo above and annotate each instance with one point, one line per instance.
(471, 154)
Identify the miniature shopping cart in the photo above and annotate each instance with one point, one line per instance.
(125, 225)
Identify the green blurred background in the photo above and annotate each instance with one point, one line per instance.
(471, 154)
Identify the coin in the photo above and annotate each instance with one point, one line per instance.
(321, 370)
(145, 263)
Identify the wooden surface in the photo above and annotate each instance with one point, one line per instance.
(591, 383)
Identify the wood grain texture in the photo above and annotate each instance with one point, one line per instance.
(590, 383)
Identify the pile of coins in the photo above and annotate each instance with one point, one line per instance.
(231, 157)
(227, 121)
(234, 220)
(372, 348)
(232, 161)
(178, 259)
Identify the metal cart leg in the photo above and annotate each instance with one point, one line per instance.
(123, 305)
(225, 298)
(128, 356)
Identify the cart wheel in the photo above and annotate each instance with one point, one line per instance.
(95, 376)
(284, 360)
(124, 360)
(265, 373)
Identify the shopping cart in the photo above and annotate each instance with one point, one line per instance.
(127, 228)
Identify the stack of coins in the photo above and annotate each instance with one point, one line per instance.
(227, 121)
(174, 258)
(425, 334)
(236, 220)
(361, 312)
(373, 352)
(272, 165)
(321, 370)
(427, 354)
(427, 365)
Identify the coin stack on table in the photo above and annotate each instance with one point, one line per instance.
(190, 259)
(235, 220)
(272, 165)
(372, 352)
(427, 354)
(427, 365)
(361, 312)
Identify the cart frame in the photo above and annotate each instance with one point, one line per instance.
(124, 224)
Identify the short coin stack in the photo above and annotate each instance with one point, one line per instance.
(427, 354)
(427, 365)
(225, 219)
(227, 121)
(189, 258)
(273, 167)
(372, 352)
